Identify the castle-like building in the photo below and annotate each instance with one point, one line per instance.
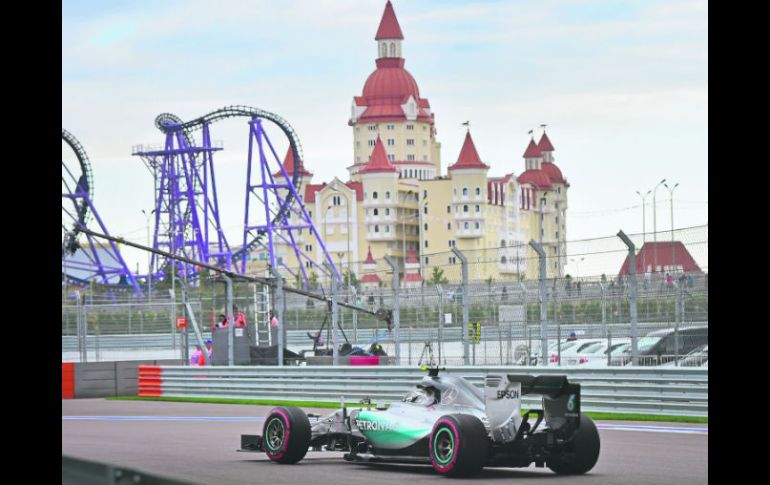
(398, 202)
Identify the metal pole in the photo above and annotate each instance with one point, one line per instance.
(230, 316)
(440, 291)
(355, 314)
(466, 318)
(655, 226)
(632, 287)
(335, 319)
(278, 307)
(541, 297)
(604, 311)
(396, 309)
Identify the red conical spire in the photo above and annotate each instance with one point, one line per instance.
(532, 150)
(412, 256)
(379, 162)
(389, 28)
(369, 258)
(288, 165)
(545, 144)
(469, 157)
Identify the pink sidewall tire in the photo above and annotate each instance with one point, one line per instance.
(458, 445)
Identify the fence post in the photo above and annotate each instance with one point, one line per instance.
(278, 307)
(541, 298)
(440, 291)
(230, 316)
(526, 323)
(335, 316)
(355, 316)
(604, 311)
(466, 317)
(172, 317)
(396, 309)
(632, 287)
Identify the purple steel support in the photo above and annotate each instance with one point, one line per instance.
(265, 199)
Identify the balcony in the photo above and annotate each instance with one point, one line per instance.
(470, 232)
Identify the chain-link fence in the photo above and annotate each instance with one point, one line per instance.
(588, 296)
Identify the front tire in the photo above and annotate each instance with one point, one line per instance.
(458, 445)
(581, 454)
(286, 435)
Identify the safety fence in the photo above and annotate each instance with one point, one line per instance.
(659, 391)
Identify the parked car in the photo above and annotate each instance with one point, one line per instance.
(660, 346)
(699, 357)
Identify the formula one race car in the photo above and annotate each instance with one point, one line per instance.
(447, 422)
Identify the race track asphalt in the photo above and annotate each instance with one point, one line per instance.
(186, 441)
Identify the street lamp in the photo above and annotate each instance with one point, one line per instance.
(644, 226)
(655, 226)
(422, 239)
(671, 194)
(577, 263)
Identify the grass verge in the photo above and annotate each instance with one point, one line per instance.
(332, 405)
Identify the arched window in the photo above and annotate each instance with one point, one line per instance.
(387, 228)
(376, 228)
(376, 212)
(478, 225)
(478, 191)
(384, 50)
(478, 209)
(465, 190)
(466, 225)
(392, 49)
(465, 208)
(374, 195)
(502, 259)
(502, 243)
(387, 195)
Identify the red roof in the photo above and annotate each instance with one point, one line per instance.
(532, 150)
(370, 278)
(545, 144)
(668, 253)
(538, 178)
(391, 80)
(310, 190)
(288, 165)
(412, 258)
(412, 277)
(358, 187)
(378, 162)
(369, 258)
(389, 28)
(553, 172)
(469, 157)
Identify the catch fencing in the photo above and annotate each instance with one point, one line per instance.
(493, 321)
(675, 391)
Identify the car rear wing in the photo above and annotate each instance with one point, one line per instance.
(503, 393)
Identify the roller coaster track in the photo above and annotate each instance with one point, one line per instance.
(167, 122)
(84, 184)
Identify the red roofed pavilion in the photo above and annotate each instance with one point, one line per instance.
(378, 162)
(389, 28)
(469, 157)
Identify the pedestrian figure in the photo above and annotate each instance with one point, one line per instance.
(222, 323)
(273, 328)
(505, 294)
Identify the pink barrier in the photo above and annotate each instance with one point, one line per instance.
(364, 360)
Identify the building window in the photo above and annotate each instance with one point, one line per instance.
(502, 243)
(426, 244)
(376, 228)
(387, 211)
(372, 127)
(478, 209)
(374, 195)
(448, 226)
(391, 127)
(448, 209)
(410, 141)
(425, 158)
(465, 226)
(452, 260)
(424, 194)
(410, 127)
(387, 228)
(465, 208)
(410, 157)
(392, 158)
(376, 212)
(478, 226)
(465, 190)
(502, 259)
(387, 195)
(425, 209)
(391, 142)
(478, 191)
(426, 260)
(392, 49)
(425, 226)
(371, 143)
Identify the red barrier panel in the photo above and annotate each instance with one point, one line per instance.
(364, 360)
(67, 380)
(150, 380)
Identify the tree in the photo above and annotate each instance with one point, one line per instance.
(312, 280)
(350, 279)
(437, 277)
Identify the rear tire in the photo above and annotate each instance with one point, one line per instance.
(286, 434)
(458, 445)
(580, 455)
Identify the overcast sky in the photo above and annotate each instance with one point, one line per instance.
(622, 85)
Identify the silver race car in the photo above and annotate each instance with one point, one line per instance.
(447, 422)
